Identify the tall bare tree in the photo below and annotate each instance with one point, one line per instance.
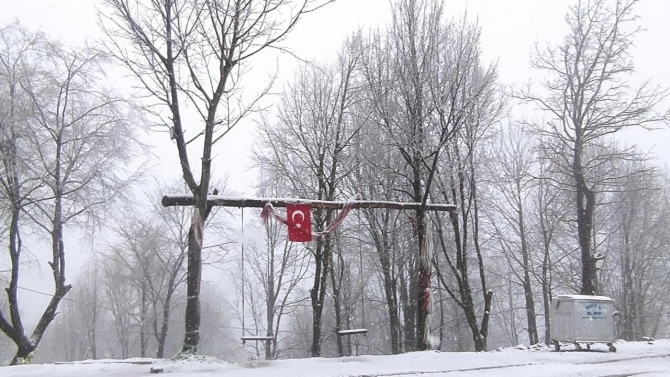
(309, 147)
(197, 51)
(636, 266)
(412, 45)
(512, 183)
(421, 83)
(76, 134)
(18, 48)
(549, 212)
(586, 96)
(140, 255)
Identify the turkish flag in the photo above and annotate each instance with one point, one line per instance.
(299, 222)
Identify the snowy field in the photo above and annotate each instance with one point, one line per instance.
(632, 359)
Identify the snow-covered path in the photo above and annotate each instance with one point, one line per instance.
(632, 359)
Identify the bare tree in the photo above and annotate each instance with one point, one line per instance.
(121, 296)
(476, 104)
(587, 97)
(407, 57)
(374, 180)
(460, 184)
(512, 183)
(172, 271)
(152, 250)
(636, 265)
(309, 147)
(18, 48)
(198, 50)
(549, 212)
(78, 132)
(417, 81)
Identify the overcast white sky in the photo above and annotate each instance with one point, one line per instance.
(510, 29)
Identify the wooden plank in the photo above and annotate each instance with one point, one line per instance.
(221, 201)
(352, 332)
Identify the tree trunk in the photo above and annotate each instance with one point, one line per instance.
(24, 353)
(484, 331)
(407, 294)
(270, 302)
(269, 349)
(527, 289)
(94, 349)
(628, 303)
(167, 304)
(442, 310)
(423, 292)
(318, 290)
(26, 346)
(143, 319)
(160, 351)
(94, 320)
(546, 296)
(488, 295)
(585, 210)
(389, 291)
(337, 304)
(162, 335)
(194, 260)
(546, 263)
(512, 316)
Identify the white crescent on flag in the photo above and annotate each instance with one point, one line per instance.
(298, 213)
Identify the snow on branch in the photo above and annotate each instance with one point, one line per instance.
(221, 201)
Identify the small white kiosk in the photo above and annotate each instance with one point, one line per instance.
(583, 319)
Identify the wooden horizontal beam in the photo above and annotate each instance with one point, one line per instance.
(220, 201)
(352, 332)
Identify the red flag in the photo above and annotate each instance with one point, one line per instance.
(299, 222)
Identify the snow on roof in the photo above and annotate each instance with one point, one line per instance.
(584, 297)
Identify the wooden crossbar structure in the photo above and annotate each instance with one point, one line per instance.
(173, 200)
(222, 201)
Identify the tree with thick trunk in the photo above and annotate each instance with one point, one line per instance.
(196, 51)
(63, 154)
(587, 99)
(427, 62)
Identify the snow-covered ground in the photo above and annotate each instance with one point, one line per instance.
(632, 359)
